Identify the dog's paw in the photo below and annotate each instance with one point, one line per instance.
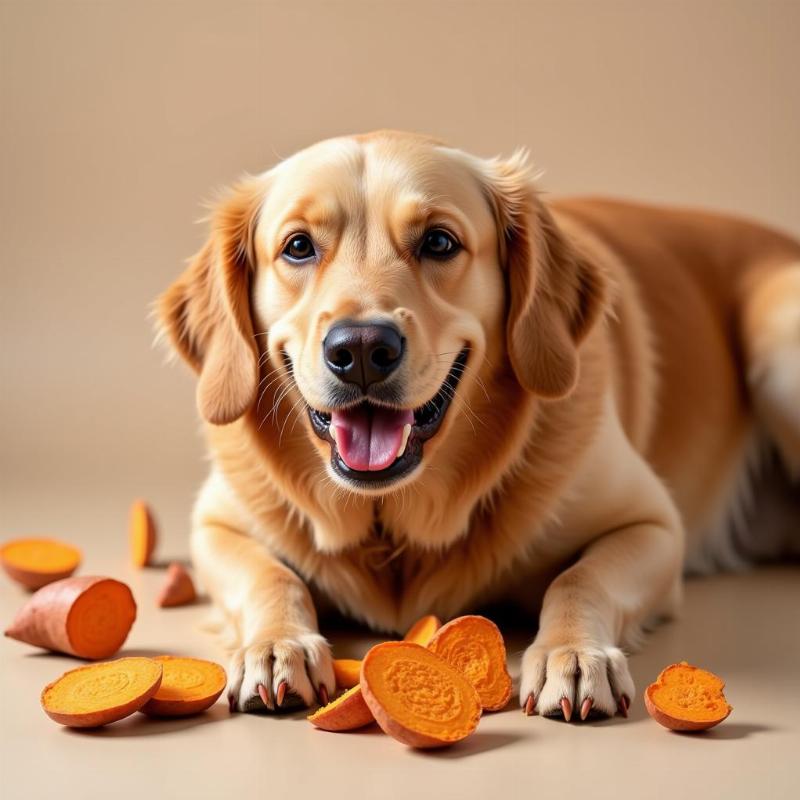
(281, 674)
(575, 681)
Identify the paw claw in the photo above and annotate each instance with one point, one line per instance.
(262, 693)
(586, 707)
(322, 692)
(566, 708)
(624, 705)
(530, 705)
(280, 694)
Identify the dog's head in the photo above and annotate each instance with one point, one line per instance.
(372, 281)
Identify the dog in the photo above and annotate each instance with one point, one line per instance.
(426, 389)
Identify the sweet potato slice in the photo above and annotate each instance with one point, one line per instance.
(417, 697)
(475, 647)
(188, 686)
(97, 694)
(347, 672)
(421, 632)
(142, 533)
(87, 616)
(347, 712)
(687, 698)
(36, 562)
(177, 589)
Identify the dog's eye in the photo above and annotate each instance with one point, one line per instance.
(438, 243)
(299, 248)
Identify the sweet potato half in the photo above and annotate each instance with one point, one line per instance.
(87, 616)
(687, 698)
(36, 562)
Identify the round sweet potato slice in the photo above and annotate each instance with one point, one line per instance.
(188, 686)
(417, 697)
(475, 647)
(687, 698)
(97, 694)
(36, 562)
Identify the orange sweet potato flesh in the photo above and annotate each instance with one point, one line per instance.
(347, 672)
(97, 694)
(177, 589)
(188, 686)
(36, 562)
(417, 697)
(142, 534)
(475, 647)
(687, 698)
(87, 616)
(422, 630)
(347, 712)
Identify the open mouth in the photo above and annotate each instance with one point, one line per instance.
(373, 444)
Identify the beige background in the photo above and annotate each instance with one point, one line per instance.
(117, 119)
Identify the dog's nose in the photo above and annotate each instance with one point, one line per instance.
(363, 353)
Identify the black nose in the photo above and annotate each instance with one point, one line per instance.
(363, 353)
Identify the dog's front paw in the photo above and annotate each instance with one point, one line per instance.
(281, 674)
(585, 679)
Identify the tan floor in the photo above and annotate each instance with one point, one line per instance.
(742, 626)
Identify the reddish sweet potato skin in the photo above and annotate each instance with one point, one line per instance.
(42, 621)
(179, 708)
(35, 580)
(675, 724)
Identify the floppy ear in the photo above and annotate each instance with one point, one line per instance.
(555, 292)
(206, 312)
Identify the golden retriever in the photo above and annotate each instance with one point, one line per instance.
(426, 389)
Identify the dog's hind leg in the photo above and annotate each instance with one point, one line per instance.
(770, 335)
(771, 344)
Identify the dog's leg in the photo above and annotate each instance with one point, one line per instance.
(631, 540)
(771, 343)
(280, 660)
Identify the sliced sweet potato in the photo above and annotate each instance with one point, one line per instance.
(86, 616)
(346, 713)
(142, 534)
(177, 589)
(687, 698)
(97, 694)
(188, 686)
(347, 672)
(36, 562)
(475, 647)
(422, 630)
(417, 697)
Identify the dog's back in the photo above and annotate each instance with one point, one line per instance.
(722, 302)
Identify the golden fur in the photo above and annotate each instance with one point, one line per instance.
(616, 353)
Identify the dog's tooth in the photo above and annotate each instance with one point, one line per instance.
(404, 442)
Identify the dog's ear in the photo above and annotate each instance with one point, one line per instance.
(206, 312)
(555, 293)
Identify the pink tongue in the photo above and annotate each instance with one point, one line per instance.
(369, 439)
